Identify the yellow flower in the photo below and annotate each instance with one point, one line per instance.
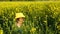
(1, 31)
(45, 21)
(33, 29)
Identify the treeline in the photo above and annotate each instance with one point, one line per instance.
(29, 0)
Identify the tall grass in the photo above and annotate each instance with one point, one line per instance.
(41, 17)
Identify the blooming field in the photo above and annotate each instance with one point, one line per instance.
(41, 17)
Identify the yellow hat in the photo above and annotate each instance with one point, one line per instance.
(18, 15)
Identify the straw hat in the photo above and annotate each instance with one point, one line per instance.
(19, 15)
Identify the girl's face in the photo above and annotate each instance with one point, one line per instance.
(21, 20)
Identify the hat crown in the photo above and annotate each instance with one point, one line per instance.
(18, 15)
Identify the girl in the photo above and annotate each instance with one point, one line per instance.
(17, 26)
